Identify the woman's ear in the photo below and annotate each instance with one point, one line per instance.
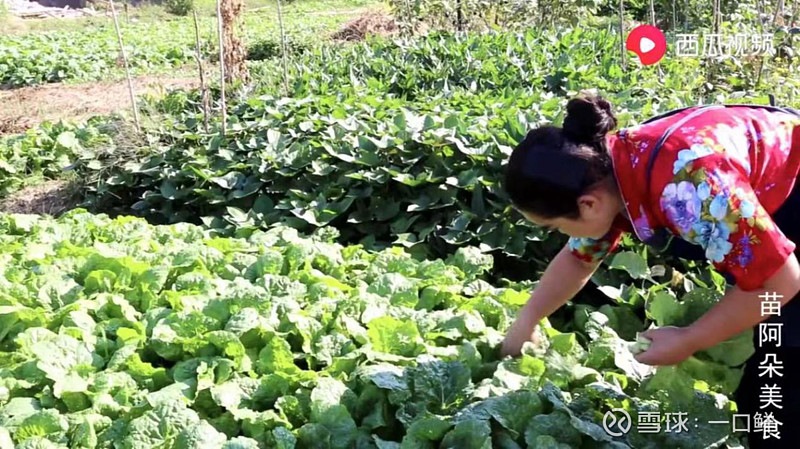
(588, 204)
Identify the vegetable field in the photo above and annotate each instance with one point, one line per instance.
(152, 47)
(337, 267)
(136, 336)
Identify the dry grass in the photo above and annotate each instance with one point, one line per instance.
(26, 107)
(371, 23)
(235, 50)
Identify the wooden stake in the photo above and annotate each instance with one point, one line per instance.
(459, 16)
(203, 90)
(778, 12)
(283, 51)
(652, 13)
(622, 33)
(686, 14)
(760, 9)
(674, 17)
(127, 68)
(222, 68)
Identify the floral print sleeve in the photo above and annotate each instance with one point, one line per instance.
(710, 203)
(595, 250)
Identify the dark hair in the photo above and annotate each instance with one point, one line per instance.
(552, 166)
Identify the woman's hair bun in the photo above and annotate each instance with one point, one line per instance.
(588, 119)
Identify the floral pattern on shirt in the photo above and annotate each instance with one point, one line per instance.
(590, 250)
(642, 225)
(726, 169)
(707, 210)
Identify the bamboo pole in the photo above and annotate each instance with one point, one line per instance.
(674, 16)
(127, 67)
(223, 104)
(622, 33)
(459, 16)
(760, 8)
(203, 90)
(283, 51)
(652, 13)
(778, 13)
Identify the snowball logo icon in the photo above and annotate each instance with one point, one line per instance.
(648, 42)
(614, 426)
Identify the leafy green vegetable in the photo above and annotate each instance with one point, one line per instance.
(125, 334)
(640, 345)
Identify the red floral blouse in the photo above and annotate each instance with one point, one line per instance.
(715, 182)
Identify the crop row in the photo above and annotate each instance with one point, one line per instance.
(117, 333)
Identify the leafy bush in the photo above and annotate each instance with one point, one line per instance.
(271, 48)
(482, 14)
(179, 7)
(46, 151)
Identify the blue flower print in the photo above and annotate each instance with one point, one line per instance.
(578, 243)
(681, 205)
(642, 225)
(713, 236)
(747, 209)
(703, 191)
(719, 206)
(746, 255)
(685, 156)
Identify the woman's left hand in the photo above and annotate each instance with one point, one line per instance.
(668, 346)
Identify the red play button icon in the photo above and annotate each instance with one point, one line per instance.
(648, 42)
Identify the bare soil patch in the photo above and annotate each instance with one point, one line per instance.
(50, 198)
(26, 107)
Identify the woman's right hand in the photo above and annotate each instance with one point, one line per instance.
(564, 277)
(523, 330)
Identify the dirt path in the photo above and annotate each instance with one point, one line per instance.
(26, 107)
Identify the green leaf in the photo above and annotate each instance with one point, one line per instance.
(631, 262)
(284, 439)
(314, 436)
(470, 434)
(441, 386)
(556, 425)
(276, 357)
(199, 435)
(45, 423)
(513, 410)
(393, 336)
(431, 428)
(160, 426)
(330, 393)
(341, 426)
